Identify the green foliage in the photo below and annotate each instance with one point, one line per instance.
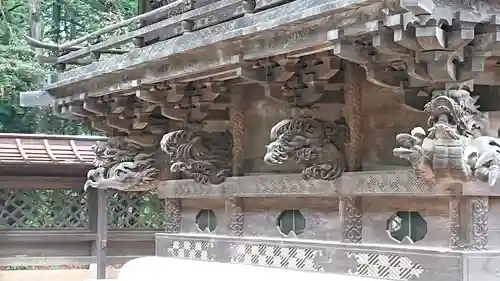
(62, 20)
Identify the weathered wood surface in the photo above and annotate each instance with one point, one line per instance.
(376, 183)
(69, 247)
(323, 219)
(167, 26)
(317, 31)
(251, 25)
(329, 257)
(47, 149)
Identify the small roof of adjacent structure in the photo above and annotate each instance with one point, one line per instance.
(36, 154)
(50, 149)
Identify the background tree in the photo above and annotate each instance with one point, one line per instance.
(50, 20)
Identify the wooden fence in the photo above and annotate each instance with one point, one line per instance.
(46, 218)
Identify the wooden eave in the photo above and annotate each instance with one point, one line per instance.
(46, 155)
(211, 50)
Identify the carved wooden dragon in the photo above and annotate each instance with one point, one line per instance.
(455, 147)
(121, 166)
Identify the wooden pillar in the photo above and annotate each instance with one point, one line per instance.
(173, 215)
(234, 206)
(352, 220)
(173, 206)
(98, 210)
(478, 209)
(469, 223)
(234, 209)
(353, 93)
(455, 235)
(237, 121)
(350, 207)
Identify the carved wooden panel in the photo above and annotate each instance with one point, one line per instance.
(261, 115)
(394, 267)
(351, 214)
(321, 216)
(478, 208)
(186, 249)
(192, 207)
(494, 224)
(173, 215)
(381, 261)
(236, 216)
(276, 256)
(378, 210)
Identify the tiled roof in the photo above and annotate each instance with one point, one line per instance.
(50, 149)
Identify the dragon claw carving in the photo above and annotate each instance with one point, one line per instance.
(410, 148)
(455, 147)
(316, 145)
(122, 166)
(488, 167)
(483, 156)
(202, 156)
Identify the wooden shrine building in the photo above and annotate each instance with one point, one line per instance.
(356, 137)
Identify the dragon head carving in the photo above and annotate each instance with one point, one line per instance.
(119, 165)
(455, 111)
(456, 146)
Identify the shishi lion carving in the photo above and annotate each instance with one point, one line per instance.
(316, 145)
(202, 156)
(121, 166)
(456, 146)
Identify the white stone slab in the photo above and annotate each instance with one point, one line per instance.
(162, 268)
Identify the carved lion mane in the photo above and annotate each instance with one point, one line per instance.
(315, 144)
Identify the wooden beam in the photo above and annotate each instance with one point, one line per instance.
(353, 92)
(40, 182)
(237, 120)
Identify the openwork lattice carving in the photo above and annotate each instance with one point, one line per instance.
(202, 156)
(138, 210)
(276, 256)
(317, 145)
(122, 166)
(35, 208)
(385, 266)
(455, 148)
(189, 249)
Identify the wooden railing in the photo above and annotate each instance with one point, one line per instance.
(70, 52)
